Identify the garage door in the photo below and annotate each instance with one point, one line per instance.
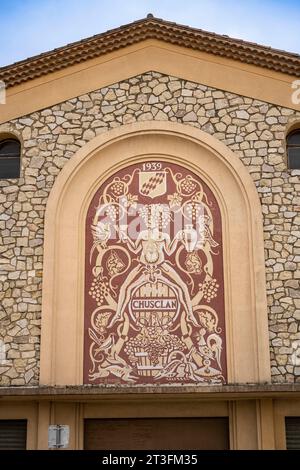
(156, 434)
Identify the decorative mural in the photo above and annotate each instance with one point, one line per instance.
(154, 294)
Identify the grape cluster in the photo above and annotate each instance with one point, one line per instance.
(112, 213)
(98, 291)
(155, 215)
(117, 188)
(164, 217)
(209, 289)
(156, 344)
(194, 209)
(187, 185)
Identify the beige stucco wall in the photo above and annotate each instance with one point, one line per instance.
(253, 423)
(253, 129)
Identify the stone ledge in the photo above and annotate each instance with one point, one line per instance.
(234, 391)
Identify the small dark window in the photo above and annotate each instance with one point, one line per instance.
(10, 158)
(292, 431)
(293, 149)
(13, 434)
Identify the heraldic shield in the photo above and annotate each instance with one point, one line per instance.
(152, 184)
(154, 297)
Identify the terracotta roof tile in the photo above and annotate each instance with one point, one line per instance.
(150, 28)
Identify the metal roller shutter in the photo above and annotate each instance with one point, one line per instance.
(292, 428)
(156, 433)
(13, 434)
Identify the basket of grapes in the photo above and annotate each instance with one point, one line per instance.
(149, 350)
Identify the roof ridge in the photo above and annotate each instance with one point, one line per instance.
(150, 28)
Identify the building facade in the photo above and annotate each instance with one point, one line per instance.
(150, 252)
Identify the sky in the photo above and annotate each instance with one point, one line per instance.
(29, 27)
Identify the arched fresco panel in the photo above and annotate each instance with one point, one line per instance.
(154, 296)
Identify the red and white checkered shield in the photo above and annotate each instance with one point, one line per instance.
(152, 183)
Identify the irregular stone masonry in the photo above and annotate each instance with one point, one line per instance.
(254, 130)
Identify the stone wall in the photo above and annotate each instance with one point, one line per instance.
(254, 130)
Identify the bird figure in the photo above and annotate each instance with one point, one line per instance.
(101, 234)
(214, 342)
(211, 348)
(106, 345)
